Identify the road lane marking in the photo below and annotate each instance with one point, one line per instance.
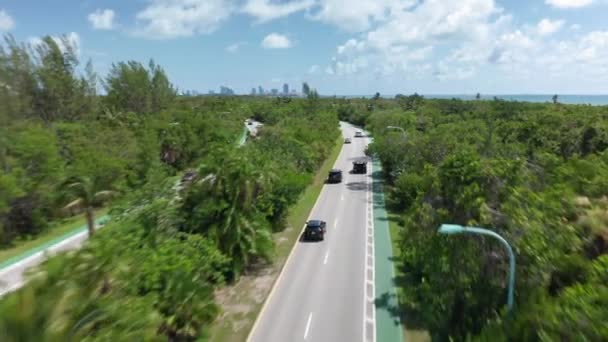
(335, 224)
(342, 198)
(308, 325)
(287, 261)
(325, 259)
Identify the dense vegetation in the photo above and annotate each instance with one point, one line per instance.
(535, 173)
(151, 273)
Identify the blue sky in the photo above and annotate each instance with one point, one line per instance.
(344, 47)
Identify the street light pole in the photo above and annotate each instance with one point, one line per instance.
(456, 229)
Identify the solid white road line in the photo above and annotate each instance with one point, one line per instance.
(325, 259)
(308, 325)
(285, 265)
(336, 224)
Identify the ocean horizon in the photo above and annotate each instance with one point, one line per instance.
(595, 100)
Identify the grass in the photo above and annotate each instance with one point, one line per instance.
(242, 302)
(409, 335)
(53, 232)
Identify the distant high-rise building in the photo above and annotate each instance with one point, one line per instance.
(226, 91)
(253, 91)
(285, 89)
(260, 90)
(275, 91)
(211, 92)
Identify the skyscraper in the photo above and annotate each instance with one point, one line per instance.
(260, 90)
(253, 91)
(285, 89)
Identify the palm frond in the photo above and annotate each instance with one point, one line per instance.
(103, 195)
(74, 204)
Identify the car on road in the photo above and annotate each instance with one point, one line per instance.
(315, 230)
(334, 176)
(358, 134)
(360, 166)
(347, 141)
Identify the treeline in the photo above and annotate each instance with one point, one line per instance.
(62, 146)
(534, 173)
(151, 273)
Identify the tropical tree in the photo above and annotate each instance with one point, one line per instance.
(87, 195)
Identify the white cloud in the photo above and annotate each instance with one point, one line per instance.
(70, 40)
(276, 41)
(575, 27)
(102, 19)
(6, 21)
(234, 48)
(569, 3)
(266, 10)
(548, 26)
(313, 69)
(409, 37)
(166, 19)
(436, 20)
(357, 16)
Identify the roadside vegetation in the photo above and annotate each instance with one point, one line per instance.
(534, 173)
(153, 272)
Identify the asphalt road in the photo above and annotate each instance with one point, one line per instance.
(325, 291)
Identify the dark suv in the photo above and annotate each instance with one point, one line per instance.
(315, 230)
(360, 166)
(335, 176)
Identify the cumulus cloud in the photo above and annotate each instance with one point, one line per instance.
(313, 69)
(568, 3)
(547, 26)
(408, 37)
(102, 19)
(234, 48)
(276, 41)
(266, 10)
(357, 16)
(6, 21)
(166, 19)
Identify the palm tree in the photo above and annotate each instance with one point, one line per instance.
(85, 189)
(222, 205)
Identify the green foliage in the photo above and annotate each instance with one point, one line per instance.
(534, 173)
(133, 88)
(152, 273)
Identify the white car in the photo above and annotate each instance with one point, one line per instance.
(358, 134)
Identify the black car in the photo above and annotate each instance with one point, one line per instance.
(315, 230)
(335, 176)
(360, 166)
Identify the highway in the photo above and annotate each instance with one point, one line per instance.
(325, 291)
